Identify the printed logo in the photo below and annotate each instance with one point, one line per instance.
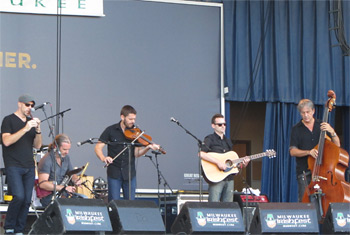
(201, 219)
(341, 221)
(270, 221)
(70, 217)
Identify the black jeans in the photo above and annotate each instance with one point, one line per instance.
(302, 184)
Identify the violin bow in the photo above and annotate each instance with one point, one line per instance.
(132, 142)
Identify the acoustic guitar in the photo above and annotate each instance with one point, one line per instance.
(231, 159)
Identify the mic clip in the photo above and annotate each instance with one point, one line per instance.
(156, 152)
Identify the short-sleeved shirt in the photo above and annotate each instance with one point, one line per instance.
(46, 166)
(115, 138)
(304, 139)
(214, 143)
(20, 153)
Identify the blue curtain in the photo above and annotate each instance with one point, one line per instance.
(279, 178)
(280, 52)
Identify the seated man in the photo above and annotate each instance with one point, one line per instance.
(46, 170)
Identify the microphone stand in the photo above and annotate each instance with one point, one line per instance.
(160, 177)
(91, 191)
(48, 123)
(56, 150)
(245, 205)
(200, 144)
(128, 146)
(60, 113)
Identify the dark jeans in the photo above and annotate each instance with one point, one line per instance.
(302, 183)
(20, 182)
(114, 186)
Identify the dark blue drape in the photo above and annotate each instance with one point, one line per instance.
(280, 52)
(279, 178)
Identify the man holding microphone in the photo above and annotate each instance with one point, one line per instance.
(20, 134)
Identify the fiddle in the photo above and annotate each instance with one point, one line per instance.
(144, 139)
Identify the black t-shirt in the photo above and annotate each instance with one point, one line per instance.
(304, 139)
(19, 154)
(214, 143)
(120, 167)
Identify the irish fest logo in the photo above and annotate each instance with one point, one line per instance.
(270, 221)
(70, 217)
(201, 219)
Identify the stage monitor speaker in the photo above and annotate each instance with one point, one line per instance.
(136, 216)
(291, 218)
(73, 216)
(209, 217)
(337, 219)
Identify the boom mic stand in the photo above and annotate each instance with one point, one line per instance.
(56, 150)
(51, 127)
(200, 144)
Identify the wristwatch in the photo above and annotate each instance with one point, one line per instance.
(334, 134)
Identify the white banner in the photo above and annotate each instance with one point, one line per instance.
(54, 7)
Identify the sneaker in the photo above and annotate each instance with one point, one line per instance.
(9, 231)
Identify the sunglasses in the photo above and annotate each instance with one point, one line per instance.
(27, 105)
(220, 124)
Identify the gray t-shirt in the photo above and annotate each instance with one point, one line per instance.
(46, 166)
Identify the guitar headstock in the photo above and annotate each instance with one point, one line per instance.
(270, 153)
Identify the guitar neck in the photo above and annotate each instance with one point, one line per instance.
(251, 157)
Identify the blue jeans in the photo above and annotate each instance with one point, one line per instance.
(114, 186)
(221, 191)
(20, 182)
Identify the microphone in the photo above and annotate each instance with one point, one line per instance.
(83, 183)
(174, 120)
(84, 142)
(39, 106)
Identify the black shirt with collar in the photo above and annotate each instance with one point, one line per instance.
(304, 139)
(114, 135)
(214, 143)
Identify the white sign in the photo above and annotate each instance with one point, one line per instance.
(54, 7)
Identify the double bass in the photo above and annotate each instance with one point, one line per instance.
(328, 169)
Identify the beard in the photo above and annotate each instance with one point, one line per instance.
(128, 125)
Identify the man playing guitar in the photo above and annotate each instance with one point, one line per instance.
(218, 143)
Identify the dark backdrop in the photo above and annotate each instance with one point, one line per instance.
(161, 58)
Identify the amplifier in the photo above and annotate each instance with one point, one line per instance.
(252, 200)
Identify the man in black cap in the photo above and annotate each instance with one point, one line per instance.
(20, 133)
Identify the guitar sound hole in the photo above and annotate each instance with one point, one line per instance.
(228, 163)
